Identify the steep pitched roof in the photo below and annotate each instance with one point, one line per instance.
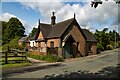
(24, 39)
(53, 31)
(45, 29)
(89, 36)
(58, 29)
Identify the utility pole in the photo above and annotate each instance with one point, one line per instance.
(115, 36)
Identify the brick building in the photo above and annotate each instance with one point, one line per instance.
(65, 39)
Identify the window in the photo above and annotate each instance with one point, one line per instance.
(33, 44)
(90, 45)
(52, 44)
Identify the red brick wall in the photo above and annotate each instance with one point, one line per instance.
(40, 35)
(94, 48)
(56, 42)
(77, 35)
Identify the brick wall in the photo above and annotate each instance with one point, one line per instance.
(77, 35)
(56, 42)
(94, 48)
(40, 35)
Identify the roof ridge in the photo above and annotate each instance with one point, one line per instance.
(45, 24)
(64, 21)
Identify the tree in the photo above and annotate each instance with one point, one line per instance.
(11, 29)
(112, 35)
(96, 2)
(103, 38)
(15, 28)
(34, 30)
(4, 26)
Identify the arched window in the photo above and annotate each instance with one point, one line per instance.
(52, 44)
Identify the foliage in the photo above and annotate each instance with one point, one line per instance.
(11, 29)
(12, 44)
(96, 2)
(113, 34)
(103, 38)
(106, 40)
(34, 30)
(21, 47)
(49, 57)
(100, 47)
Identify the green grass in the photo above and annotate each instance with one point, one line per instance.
(15, 65)
(49, 58)
(0, 48)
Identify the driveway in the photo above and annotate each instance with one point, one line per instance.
(91, 64)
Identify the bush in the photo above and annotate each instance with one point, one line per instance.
(109, 47)
(13, 44)
(49, 57)
(100, 47)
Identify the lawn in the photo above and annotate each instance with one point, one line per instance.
(14, 62)
(15, 65)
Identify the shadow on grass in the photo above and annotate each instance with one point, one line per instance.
(108, 72)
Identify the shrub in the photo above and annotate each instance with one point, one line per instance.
(109, 47)
(49, 57)
(100, 47)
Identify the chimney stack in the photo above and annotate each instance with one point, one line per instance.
(74, 16)
(53, 18)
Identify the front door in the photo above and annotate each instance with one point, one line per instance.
(67, 50)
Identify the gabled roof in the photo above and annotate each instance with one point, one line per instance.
(24, 39)
(89, 36)
(58, 29)
(45, 29)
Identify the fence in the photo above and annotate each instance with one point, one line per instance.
(11, 54)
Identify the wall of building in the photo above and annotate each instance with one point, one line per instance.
(94, 48)
(56, 42)
(32, 43)
(77, 35)
(40, 35)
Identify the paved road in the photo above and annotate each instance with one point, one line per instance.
(90, 63)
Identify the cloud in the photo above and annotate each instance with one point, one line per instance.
(7, 16)
(86, 15)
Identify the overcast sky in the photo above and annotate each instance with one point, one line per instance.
(30, 11)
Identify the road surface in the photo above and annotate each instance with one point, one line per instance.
(91, 63)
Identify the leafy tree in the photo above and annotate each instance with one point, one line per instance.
(11, 29)
(34, 30)
(4, 26)
(103, 39)
(96, 2)
(112, 35)
(13, 44)
(15, 28)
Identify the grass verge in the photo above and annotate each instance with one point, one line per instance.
(15, 65)
(50, 58)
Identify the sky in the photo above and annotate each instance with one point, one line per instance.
(30, 11)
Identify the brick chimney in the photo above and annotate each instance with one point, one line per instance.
(53, 18)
